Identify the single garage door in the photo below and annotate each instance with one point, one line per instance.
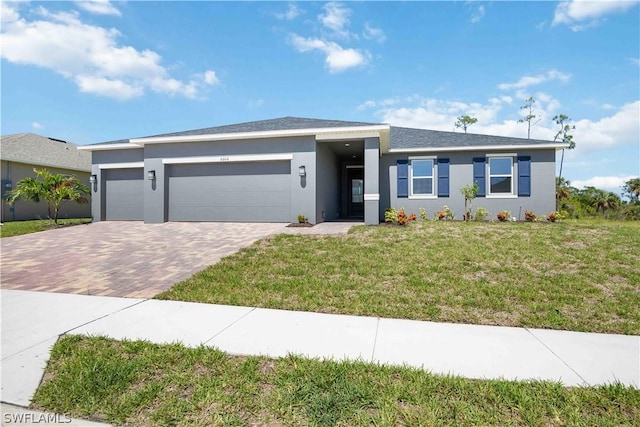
(124, 198)
(256, 191)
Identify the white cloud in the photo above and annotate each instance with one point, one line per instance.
(337, 58)
(477, 15)
(634, 61)
(619, 129)
(609, 183)
(527, 81)
(91, 56)
(8, 13)
(99, 7)
(293, 11)
(336, 17)
(374, 33)
(37, 125)
(616, 130)
(116, 89)
(582, 14)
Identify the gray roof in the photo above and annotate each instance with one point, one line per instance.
(43, 151)
(282, 123)
(421, 138)
(400, 137)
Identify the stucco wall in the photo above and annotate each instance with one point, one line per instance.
(104, 158)
(541, 201)
(303, 190)
(26, 210)
(328, 191)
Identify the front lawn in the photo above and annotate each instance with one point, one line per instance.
(580, 276)
(16, 228)
(138, 383)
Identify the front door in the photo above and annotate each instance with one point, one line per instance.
(355, 203)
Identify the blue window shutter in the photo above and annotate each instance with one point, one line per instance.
(443, 177)
(524, 176)
(403, 178)
(479, 175)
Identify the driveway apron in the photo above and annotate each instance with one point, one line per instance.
(123, 258)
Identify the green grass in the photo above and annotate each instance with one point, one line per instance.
(581, 276)
(17, 228)
(138, 383)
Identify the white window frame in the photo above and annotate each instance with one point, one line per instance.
(434, 179)
(510, 195)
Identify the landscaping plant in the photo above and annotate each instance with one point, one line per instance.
(469, 192)
(52, 188)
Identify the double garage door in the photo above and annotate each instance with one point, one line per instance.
(257, 191)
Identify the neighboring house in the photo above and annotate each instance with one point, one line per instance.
(21, 153)
(327, 170)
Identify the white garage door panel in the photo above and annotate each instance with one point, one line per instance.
(124, 194)
(230, 192)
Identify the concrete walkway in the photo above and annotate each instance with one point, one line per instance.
(32, 322)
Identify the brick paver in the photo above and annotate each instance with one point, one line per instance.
(121, 258)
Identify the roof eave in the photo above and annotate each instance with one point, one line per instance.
(355, 131)
(556, 146)
(100, 147)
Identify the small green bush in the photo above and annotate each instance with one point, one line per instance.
(481, 214)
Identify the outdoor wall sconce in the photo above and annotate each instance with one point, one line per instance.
(93, 179)
(302, 171)
(151, 175)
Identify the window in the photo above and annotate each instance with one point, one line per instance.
(421, 177)
(500, 175)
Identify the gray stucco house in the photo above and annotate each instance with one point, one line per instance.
(22, 152)
(274, 170)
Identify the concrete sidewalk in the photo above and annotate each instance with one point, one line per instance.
(32, 322)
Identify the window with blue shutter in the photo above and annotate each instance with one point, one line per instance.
(443, 177)
(524, 176)
(479, 175)
(403, 178)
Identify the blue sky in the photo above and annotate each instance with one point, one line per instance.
(96, 71)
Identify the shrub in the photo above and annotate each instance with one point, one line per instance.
(302, 219)
(481, 214)
(444, 214)
(390, 215)
(423, 214)
(448, 213)
(403, 219)
(530, 216)
(552, 217)
(503, 216)
(632, 212)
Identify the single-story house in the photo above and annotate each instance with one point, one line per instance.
(327, 170)
(21, 153)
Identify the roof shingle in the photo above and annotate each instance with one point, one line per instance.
(40, 150)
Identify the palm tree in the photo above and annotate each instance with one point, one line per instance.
(605, 200)
(53, 188)
(563, 189)
(632, 188)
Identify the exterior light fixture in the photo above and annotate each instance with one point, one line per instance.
(93, 179)
(302, 171)
(151, 175)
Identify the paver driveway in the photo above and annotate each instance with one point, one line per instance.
(125, 259)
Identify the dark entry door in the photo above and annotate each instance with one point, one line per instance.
(355, 184)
